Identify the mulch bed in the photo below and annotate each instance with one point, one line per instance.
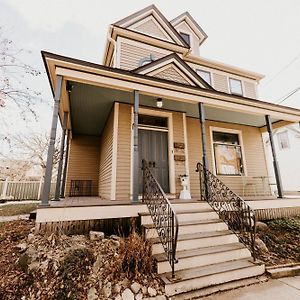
(282, 238)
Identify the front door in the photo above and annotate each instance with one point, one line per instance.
(153, 147)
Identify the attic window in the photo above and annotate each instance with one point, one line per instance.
(146, 60)
(235, 86)
(186, 37)
(205, 76)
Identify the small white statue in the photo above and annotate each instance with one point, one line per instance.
(185, 193)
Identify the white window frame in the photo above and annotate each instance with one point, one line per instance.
(241, 144)
(204, 71)
(278, 140)
(242, 87)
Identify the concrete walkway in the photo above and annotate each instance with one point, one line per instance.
(13, 218)
(287, 288)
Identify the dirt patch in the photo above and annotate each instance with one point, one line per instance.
(17, 209)
(282, 238)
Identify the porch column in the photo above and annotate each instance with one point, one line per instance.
(49, 164)
(63, 183)
(135, 189)
(61, 156)
(275, 162)
(203, 134)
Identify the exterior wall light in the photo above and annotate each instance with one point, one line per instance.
(159, 102)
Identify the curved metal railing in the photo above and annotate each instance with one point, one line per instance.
(162, 213)
(231, 208)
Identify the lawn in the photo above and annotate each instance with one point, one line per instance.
(17, 209)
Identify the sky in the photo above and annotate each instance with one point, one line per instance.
(261, 36)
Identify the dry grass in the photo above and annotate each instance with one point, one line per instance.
(17, 209)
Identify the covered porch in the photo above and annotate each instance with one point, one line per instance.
(99, 108)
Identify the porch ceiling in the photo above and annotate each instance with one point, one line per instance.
(91, 105)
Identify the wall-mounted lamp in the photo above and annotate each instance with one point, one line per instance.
(159, 102)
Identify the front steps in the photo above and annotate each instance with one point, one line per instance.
(208, 253)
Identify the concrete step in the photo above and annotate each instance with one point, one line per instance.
(185, 215)
(190, 227)
(197, 240)
(218, 273)
(185, 205)
(202, 257)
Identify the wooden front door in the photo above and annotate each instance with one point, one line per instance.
(153, 147)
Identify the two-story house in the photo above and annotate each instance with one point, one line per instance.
(153, 111)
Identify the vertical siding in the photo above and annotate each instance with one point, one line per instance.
(178, 137)
(171, 73)
(131, 55)
(105, 176)
(254, 157)
(250, 90)
(220, 82)
(83, 161)
(124, 153)
(152, 29)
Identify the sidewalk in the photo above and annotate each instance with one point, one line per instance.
(287, 288)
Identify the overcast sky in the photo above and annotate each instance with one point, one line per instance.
(262, 36)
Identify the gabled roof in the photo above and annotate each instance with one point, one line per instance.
(173, 66)
(190, 21)
(152, 14)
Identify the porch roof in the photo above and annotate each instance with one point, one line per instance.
(97, 87)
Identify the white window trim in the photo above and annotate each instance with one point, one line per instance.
(205, 71)
(227, 130)
(169, 115)
(242, 85)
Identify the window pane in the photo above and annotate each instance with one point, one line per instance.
(225, 138)
(283, 140)
(235, 86)
(186, 37)
(204, 75)
(228, 160)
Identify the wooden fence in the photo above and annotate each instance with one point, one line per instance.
(23, 190)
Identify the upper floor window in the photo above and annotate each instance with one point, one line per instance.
(146, 60)
(283, 140)
(235, 86)
(205, 76)
(186, 38)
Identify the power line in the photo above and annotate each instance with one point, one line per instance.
(284, 98)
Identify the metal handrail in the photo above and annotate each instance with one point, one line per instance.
(231, 208)
(162, 213)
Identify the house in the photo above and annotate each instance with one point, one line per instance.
(287, 145)
(149, 116)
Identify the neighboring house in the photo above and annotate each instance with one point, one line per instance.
(287, 145)
(155, 98)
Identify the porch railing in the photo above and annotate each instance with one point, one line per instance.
(162, 213)
(231, 208)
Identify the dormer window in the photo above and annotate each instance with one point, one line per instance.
(186, 37)
(205, 76)
(146, 60)
(235, 86)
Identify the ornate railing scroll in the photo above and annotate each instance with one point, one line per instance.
(231, 208)
(162, 213)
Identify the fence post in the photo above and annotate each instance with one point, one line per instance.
(40, 189)
(4, 190)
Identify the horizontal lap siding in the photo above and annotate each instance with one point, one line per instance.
(124, 153)
(254, 156)
(250, 89)
(220, 82)
(178, 137)
(132, 54)
(83, 161)
(105, 178)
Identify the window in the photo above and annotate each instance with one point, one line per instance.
(228, 154)
(146, 60)
(235, 86)
(186, 38)
(153, 121)
(205, 76)
(283, 140)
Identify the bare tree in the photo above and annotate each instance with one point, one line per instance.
(13, 71)
(32, 148)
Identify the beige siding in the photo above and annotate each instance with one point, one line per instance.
(105, 176)
(254, 157)
(132, 54)
(124, 153)
(152, 29)
(178, 136)
(83, 161)
(220, 82)
(171, 73)
(250, 90)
